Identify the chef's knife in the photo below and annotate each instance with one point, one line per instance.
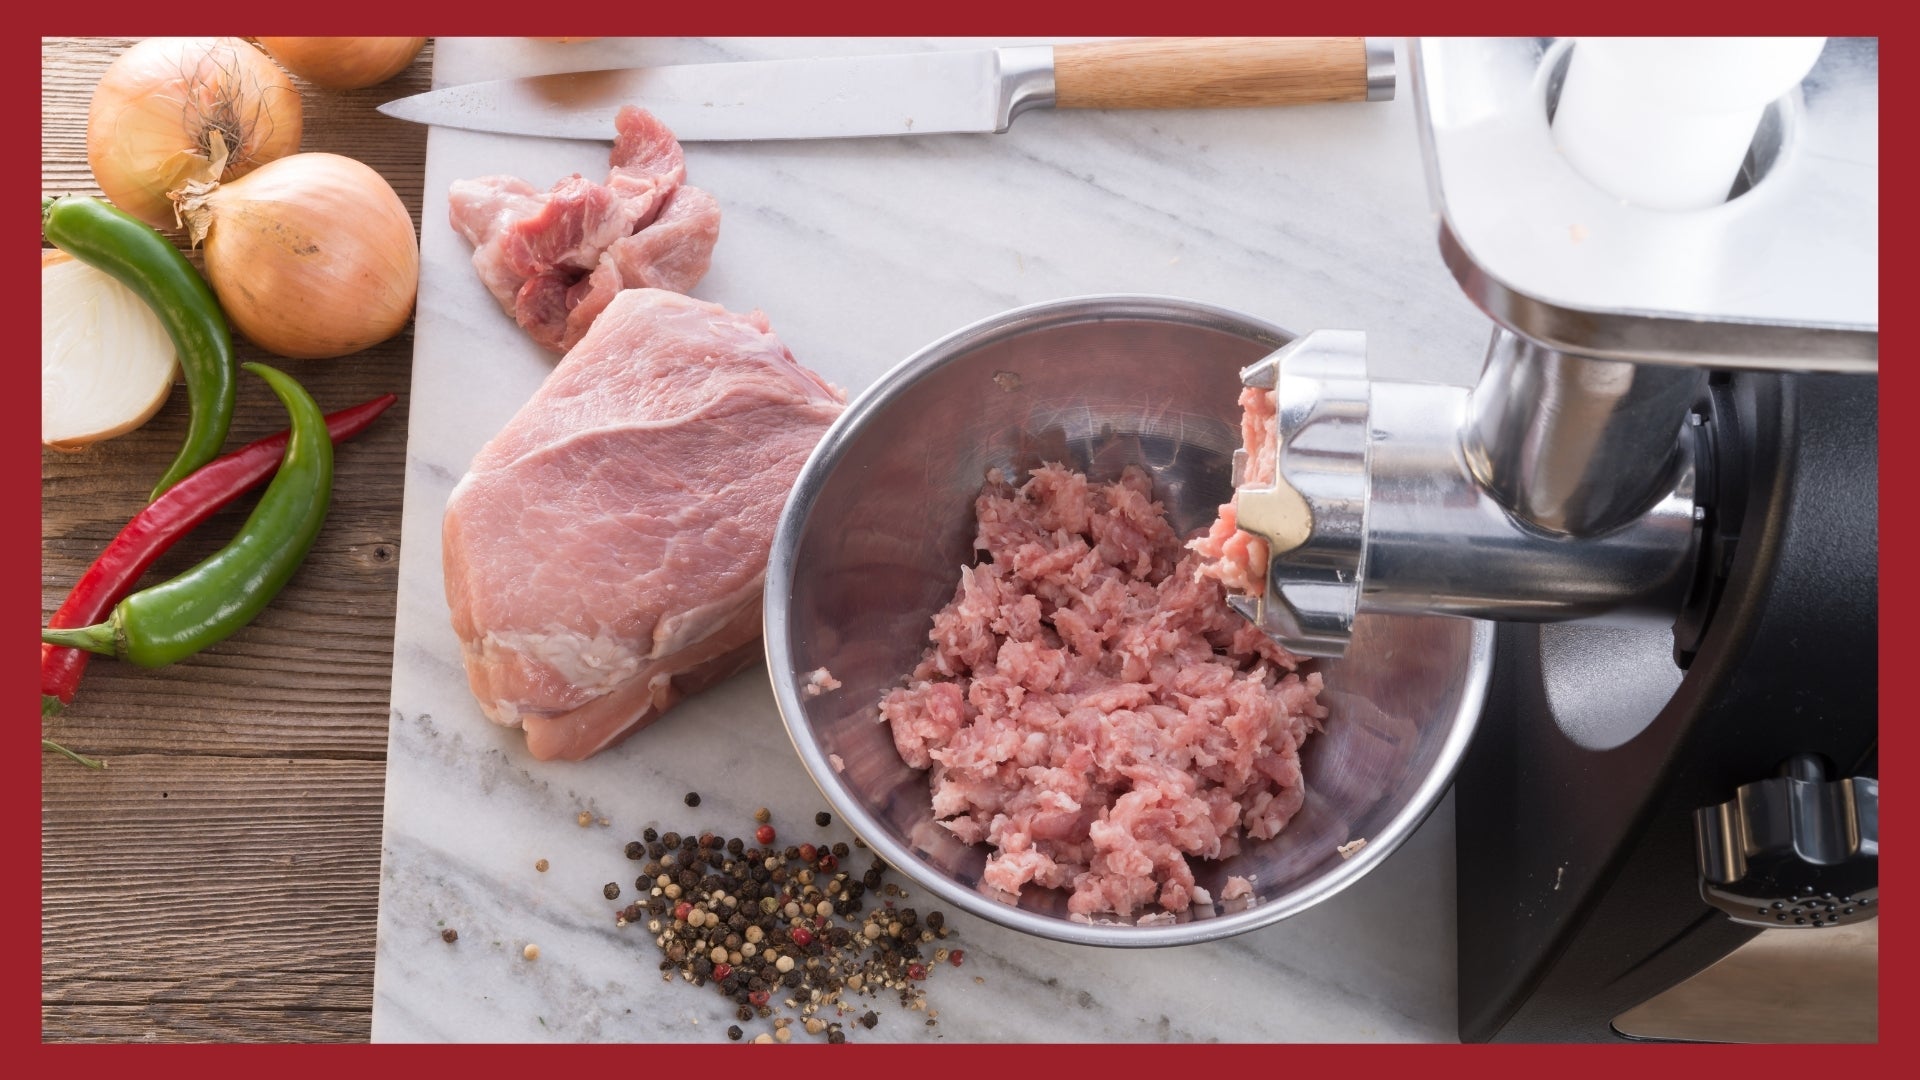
(918, 93)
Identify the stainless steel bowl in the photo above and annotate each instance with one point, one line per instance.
(871, 543)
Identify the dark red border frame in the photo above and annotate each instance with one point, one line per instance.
(20, 901)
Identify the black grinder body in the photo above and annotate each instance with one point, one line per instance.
(1578, 889)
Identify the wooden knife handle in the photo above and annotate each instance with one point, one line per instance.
(1209, 73)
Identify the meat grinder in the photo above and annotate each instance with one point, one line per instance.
(1662, 488)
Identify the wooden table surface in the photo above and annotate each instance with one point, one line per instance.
(218, 881)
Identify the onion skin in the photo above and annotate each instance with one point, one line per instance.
(153, 113)
(312, 256)
(344, 63)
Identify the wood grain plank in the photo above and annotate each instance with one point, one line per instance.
(219, 881)
(209, 882)
(198, 1023)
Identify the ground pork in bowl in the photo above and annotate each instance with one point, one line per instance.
(992, 651)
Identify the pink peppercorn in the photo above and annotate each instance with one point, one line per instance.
(916, 971)
(759, 997)
(808, 852)
(956, 957)
(763, 835)
(681, 910)
(801, 936)
(721, 971)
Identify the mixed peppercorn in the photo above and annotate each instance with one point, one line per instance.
(772, 928)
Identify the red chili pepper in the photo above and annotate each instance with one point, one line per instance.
(155, 529)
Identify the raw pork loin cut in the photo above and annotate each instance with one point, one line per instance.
(555, 259)
(605, 554)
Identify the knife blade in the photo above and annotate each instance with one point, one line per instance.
(973, 90)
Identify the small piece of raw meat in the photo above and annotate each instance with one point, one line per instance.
(555, 259)
(1090, 706)
(605, 553)
(1235, 558)
(818, 681)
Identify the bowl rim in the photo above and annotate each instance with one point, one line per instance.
(776, 610)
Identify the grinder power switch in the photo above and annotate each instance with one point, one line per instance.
(1797, 850)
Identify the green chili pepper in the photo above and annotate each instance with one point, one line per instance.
(177, 618)
(146, 262)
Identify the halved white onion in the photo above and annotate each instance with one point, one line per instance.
(106, 363)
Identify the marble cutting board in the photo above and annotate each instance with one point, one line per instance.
(860, 252)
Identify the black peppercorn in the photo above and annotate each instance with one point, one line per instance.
(702, 967)
(935, 921)
(793, 852)
(636, 850)
(612, 891)
(735, 845)
(734, 1033)
(836, 1036)
(792, 978)
(870, 1020)
(745, 1011)
(672, 840)
(693, 798)
(650, 835)
(841, 850)
(823, 819)
(656, 850)
(449, 935)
